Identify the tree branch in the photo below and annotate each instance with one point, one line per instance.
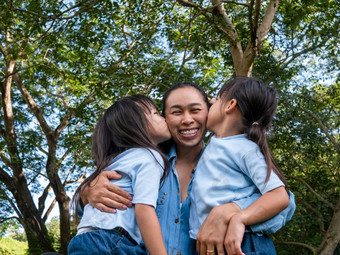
(304, 51)
(9, 218)
(59, 16)
(34, 107)
(49, 210)
(324, 129)
(10, 186)
(173, 50)
(236, 3)
(42, 198)
(318, 214)
(229, 26)
(267, 20)
(72, 113)
(313, 191)
(297, 244)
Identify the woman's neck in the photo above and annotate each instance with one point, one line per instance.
(189, 154)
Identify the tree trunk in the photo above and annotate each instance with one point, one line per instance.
(332, 237)
(29, 216)
(61, 196)
(37, 234)
(35, 228)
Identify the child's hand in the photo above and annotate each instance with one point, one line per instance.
(234, 237)
(214, 228)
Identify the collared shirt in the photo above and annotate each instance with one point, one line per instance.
(141, 171)
(231, 169)
(173, 215)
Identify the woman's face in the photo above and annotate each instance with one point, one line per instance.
(186, 114)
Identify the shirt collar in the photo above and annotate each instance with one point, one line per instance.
(172, 153)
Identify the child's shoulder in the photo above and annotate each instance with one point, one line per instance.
(141, 154)
(233, 145)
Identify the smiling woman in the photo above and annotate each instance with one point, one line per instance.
(185, 108)
(186, 114)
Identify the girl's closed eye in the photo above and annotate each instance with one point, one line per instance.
(158, 128)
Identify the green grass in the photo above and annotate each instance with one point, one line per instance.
(10, 246)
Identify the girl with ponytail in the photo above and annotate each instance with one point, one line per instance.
(236, 164)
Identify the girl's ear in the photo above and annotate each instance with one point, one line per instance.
(231, 105)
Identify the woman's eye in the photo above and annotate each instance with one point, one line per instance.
(176, 112)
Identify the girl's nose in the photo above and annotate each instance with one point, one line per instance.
(212, 101)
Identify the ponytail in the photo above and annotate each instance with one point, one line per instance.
(257, 104)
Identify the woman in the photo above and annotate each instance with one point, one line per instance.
(185, 108)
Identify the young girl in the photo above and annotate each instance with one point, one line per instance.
(237, 164)
(125, 140)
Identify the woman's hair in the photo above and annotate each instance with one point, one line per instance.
(165, 146)
(257, 103)
(124, 125)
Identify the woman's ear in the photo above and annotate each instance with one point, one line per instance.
(231, 105)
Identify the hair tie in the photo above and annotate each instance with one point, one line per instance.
(255, 123)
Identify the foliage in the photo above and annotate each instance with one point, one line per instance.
(53, 227)
(306, 125)
(74, 58)
(9, 246)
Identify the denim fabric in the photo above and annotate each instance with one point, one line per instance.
(103, 242)
(253, 244)
(174, 216)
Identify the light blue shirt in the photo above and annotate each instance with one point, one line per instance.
(231, 169)
(141, 175)
(174, 216)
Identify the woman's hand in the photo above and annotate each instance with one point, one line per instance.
(104, 195)
(213, 230)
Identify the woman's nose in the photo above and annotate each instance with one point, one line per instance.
(187, 118)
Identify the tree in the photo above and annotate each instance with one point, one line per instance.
(62, 63)
(36, 83)
(307, 144)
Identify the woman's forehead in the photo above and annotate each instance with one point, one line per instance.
(184, 96)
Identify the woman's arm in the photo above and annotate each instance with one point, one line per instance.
(213, 231)
(104, 195)
(150, 229)
(268, 205)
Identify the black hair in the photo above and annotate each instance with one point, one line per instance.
(165, 146)
(257, 103)
(124, 125)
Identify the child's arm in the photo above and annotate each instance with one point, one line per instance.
(150, 229)
(268, 205)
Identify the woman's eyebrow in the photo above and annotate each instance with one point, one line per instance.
(181, 106)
